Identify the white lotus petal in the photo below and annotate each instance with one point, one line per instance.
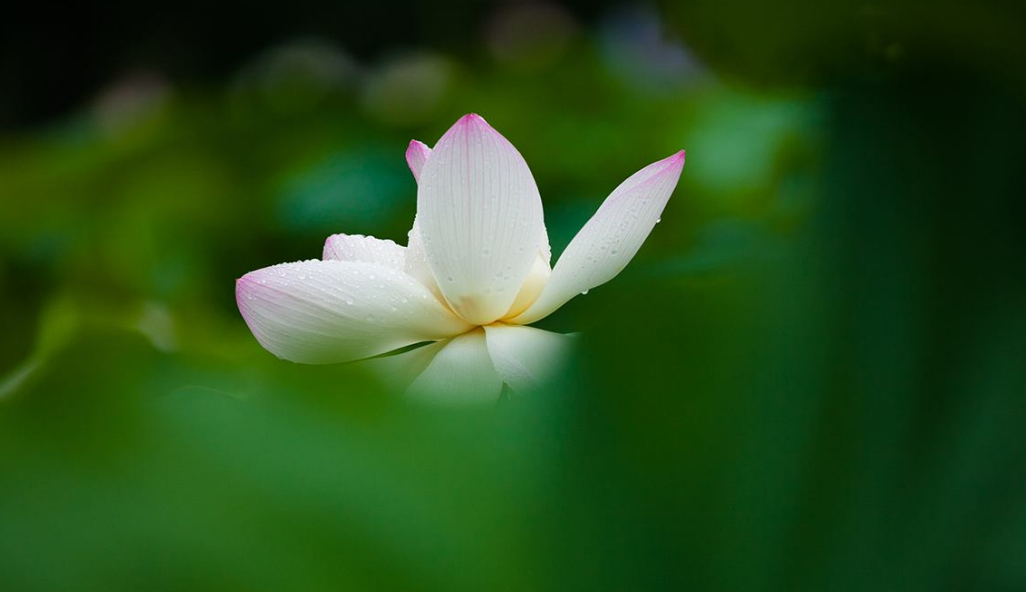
(356, 247)
(416, 155)
(460, 372)
(527, 358)
(416, 264)
(398, 371)
(320, 312)
(532, 287)
(611, 238)
(416, 260)
(480, 217)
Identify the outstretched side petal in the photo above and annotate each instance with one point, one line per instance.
(321, 312)
(527, 358)
(460, 372)
(356, 247)
(480, 217)
(611, 238)
(416, 156)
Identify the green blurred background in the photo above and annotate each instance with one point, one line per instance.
(812, 377)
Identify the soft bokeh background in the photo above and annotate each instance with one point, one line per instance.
(812, 377)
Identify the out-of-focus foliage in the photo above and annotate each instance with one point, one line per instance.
(801, 41)
(812, 377)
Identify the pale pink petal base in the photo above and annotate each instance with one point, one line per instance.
(461, 372)
(528, 358)
(472, 367)
(398, 371)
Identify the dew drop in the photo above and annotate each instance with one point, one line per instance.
(584, 293)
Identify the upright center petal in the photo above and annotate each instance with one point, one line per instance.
(480, 217)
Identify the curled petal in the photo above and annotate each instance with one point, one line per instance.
(527, 358)
(416, 263)
(460, 372)
(416, 155)
(611, 238)
(320, 312)
(356, 247)
(480, 217)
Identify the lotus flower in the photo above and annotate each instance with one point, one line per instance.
(475, 273)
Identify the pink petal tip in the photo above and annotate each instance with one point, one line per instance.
(472, 119)
(417, 154)
(416, 146)
(675, 159)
